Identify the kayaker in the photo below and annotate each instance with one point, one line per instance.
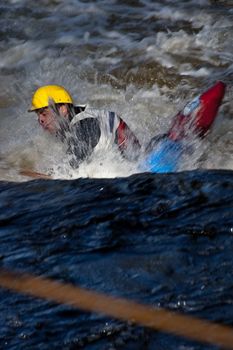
(83, 129)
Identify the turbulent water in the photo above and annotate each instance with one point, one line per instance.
(165, 240)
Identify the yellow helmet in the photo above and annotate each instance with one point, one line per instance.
(42, 96)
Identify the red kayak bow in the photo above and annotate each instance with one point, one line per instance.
(198, 115)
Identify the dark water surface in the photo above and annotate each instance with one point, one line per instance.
(164, 240)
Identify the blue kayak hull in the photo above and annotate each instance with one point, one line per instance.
(165, 158)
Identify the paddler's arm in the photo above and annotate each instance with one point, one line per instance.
(127, 142)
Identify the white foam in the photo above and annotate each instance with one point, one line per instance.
(202, 72)
(21, 53)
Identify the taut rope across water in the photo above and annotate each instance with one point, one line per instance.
(155, 318)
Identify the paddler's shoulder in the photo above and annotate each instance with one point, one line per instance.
(79, 109)
(83, 112)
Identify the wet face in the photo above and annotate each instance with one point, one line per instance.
(48, 120)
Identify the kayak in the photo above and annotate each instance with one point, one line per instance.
(164, 153)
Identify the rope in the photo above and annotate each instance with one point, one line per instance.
(156, 318)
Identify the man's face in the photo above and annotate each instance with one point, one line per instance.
(48, 120)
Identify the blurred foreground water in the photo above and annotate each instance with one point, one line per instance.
(165, 240)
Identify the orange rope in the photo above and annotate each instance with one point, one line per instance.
(156, 318)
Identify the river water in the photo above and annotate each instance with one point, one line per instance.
(166, 239)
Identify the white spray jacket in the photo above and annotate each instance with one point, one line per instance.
(99, 129)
